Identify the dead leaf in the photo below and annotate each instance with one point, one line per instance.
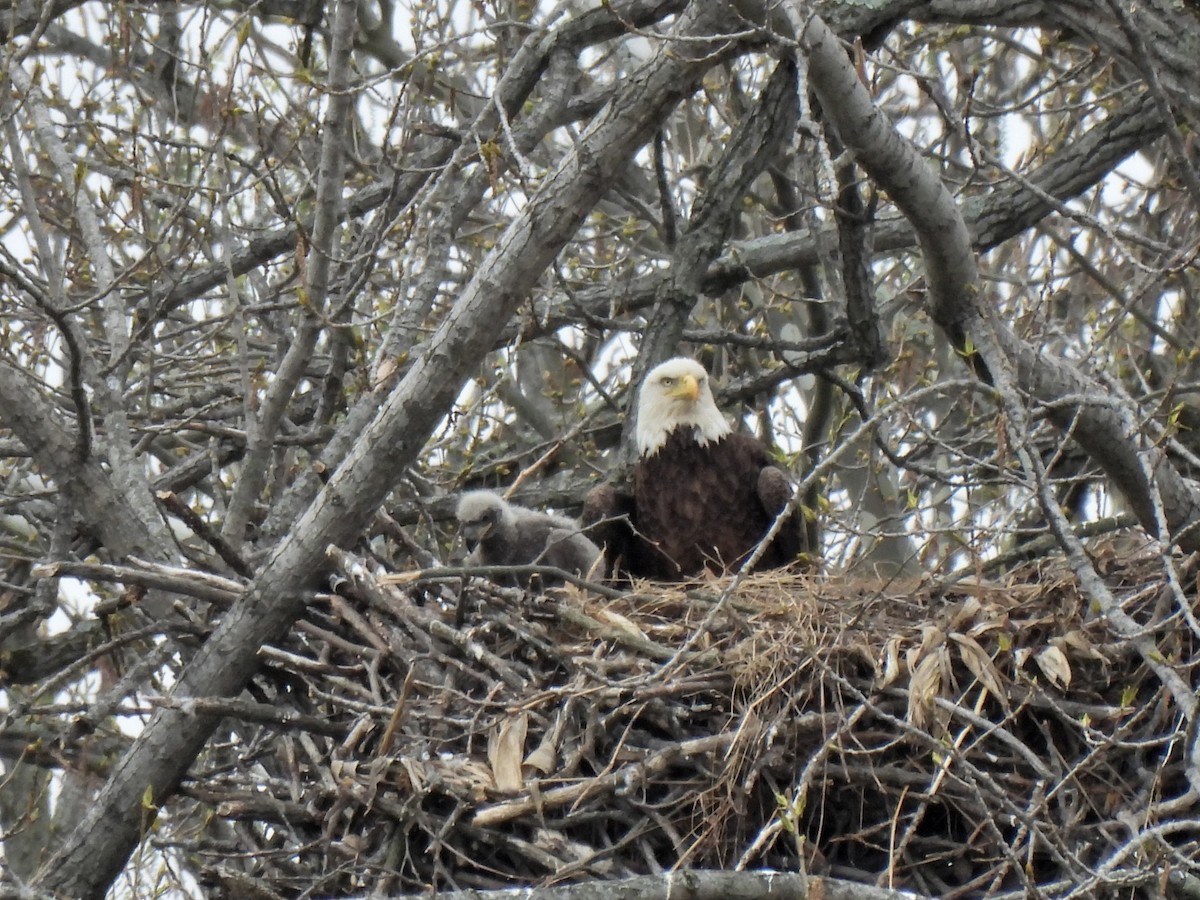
(987, 626)
(967, 612)
(891, 661)
(544, 757)
(352, 845)
(384, 374)
(976, 659)
(1078, 641)
(924, 688)
(1054, 665)
(932, 637)
(506, 746)
(619, 622)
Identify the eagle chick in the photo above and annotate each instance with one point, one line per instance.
(499, 533)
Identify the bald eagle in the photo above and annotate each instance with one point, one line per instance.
(499, 533)
(703, 496)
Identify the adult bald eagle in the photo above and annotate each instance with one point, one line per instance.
(499, 533)
(703, 495)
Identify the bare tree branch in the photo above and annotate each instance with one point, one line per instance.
(262, 427)
(755, 144)
(310, 272)
(99, 847)
(956, 305)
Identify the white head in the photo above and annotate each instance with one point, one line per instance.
(676, 394)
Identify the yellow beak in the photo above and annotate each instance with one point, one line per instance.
(687, 389)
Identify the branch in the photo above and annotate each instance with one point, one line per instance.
(606, 783)
(119, 444)
(546, 63)
(95, 852)
(991, 220)
(956, 306)
(596, 26)
(105, 510)
(753, 144)
(53, 300)
(262, 431)
(186, 582)
(21, 17)
(1166, 32)
(698, 885)
(1142, 472)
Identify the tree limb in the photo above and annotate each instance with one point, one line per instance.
(94, 853)
(955, 303)
(700, 885)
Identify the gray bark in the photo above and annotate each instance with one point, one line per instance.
(1009, 210)
(957, 305)
(104, 509)
(262, 429)
(94, 853)
(702, 885)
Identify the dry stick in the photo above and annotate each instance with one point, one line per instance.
(606, 783)
(542, 461)
(988, 727)
(954, 280)
(444, 573)
(1093, 586)
(332, 639)
(398, 714)
(1170, 569)
(623, 636)
(358, 623)
(898, 848)
(150, 575)
(371, 587)
(772, 828)
(1138, 871)
(173, 504)
(248, 711)
(1090, 582)
(973, 777)
(1177, 149)
(534, 467)
(691, 884)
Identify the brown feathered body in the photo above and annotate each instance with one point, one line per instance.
(703, 496)
(708, 506)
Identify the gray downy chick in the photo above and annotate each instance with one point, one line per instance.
(499, 533)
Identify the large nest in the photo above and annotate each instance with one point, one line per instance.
(968, 740)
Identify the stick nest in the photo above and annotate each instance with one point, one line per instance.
(985, 738)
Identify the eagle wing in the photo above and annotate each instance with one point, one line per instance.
(775, 492)
(608, 520)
